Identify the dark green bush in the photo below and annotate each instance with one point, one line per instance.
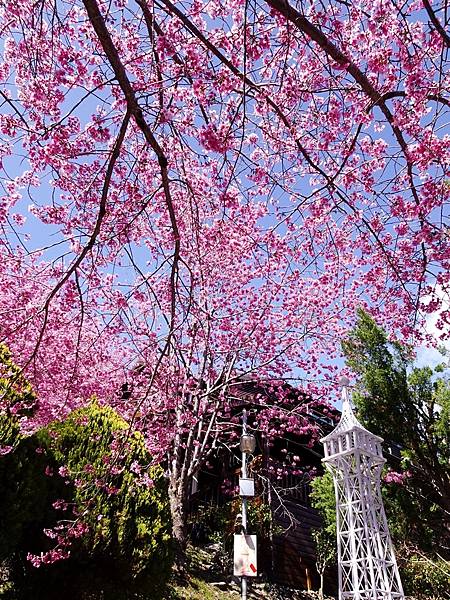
(89, 484)
(23, 483)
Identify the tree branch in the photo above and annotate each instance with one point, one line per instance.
(436, 23)
(99, 25)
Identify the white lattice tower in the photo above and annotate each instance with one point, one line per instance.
(367, 568)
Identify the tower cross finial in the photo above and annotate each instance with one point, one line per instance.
(346, 406)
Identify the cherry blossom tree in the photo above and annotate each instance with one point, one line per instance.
(196, 191)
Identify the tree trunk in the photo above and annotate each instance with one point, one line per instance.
(321, 586)
(178, 509)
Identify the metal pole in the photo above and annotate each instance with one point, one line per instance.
(244, 503)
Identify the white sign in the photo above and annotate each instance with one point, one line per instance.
(246, 487)
(245, 555)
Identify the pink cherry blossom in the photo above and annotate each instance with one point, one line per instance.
(195, 193)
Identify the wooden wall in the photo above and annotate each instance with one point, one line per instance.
(293, 550)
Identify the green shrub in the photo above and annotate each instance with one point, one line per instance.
(17, 399)
(323, 500)
(123, 498)
(425, 577)
(84, 490)
(16, 394)
(23, 485)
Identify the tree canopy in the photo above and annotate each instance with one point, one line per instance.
(195, 191)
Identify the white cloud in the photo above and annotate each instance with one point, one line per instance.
(427, 355)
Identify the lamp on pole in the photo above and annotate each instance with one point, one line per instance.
(247, 446)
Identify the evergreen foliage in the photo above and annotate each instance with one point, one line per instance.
(23, 485)
(16, 394)
(408, 407)
(118, 495)
(17, 399)
(424, 577)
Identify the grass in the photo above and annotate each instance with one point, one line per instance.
(202, 580)
(197, 589)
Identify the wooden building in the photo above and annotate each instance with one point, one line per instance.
(286, 550)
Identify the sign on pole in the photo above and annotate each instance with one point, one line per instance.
(246, 487)
(245, 555)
